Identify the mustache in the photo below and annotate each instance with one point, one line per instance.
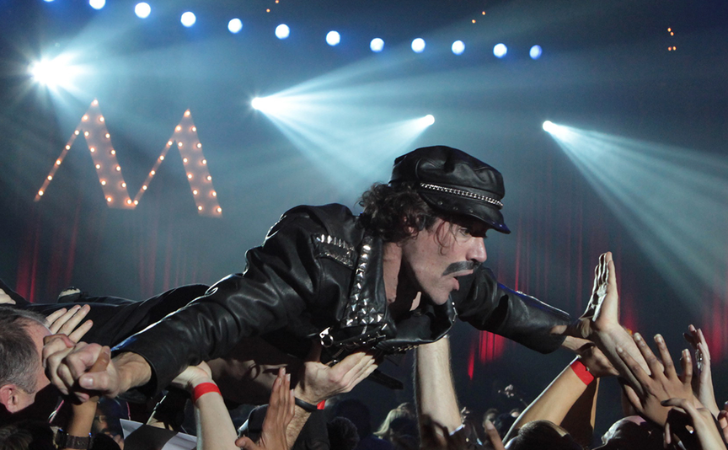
(460, 266)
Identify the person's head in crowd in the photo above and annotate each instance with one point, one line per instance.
(107, 420)
(386, 429)
(542, 435)
(27, 435)
(490, 416)
(409, 408)
(358, 413)
(21, 368)
(342, 434)
(503, 423)
(632, 433)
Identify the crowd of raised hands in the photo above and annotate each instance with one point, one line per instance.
(673, 404)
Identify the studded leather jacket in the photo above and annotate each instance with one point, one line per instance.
(318, 275)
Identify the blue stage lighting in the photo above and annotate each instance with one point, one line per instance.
(97, 4)
(428, 120)
(418, 45)
(235, 25)
(535, 52)
(282, 31)
(548, 126)
(500, 50)
(142, 10)
(48, 1)
(458, 47)
(333, 38)
(377, 45)
(188, 19)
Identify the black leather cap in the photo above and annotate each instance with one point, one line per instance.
(452, 181)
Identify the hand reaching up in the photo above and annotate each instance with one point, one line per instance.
(279, 414)
(703, 383)
(664, 382)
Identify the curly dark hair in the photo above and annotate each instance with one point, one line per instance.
(390, 209)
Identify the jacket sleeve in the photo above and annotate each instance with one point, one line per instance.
(281, 277)
(490, 306)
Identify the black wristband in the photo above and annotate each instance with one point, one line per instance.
(64, 440)
(306, 406)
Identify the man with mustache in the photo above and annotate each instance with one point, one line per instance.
(388, 280)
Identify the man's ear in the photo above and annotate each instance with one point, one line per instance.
(9, 397)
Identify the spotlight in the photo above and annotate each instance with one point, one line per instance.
(333, 38)
(458, 47)
(48, 1)
(535, 52)
(377, 45)
(428, 120)
(500, 50)
(51, 73)
(97, 4)
(142, 10)
(269, 105)
(418, 45)
(188, 19)
(555, 130)
(282, 31)
(235, 25)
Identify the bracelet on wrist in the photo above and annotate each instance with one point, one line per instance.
(582, 371)
(306, 406)
(65, 440)
(202, 389)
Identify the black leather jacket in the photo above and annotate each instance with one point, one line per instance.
(319, 275)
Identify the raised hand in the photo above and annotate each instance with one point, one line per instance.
(699, 418)
(703, 383)
(281, 408)
(664, 382)
(67, 322)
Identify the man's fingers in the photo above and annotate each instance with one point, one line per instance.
(634, 367)
(69, 325)
(52, 317)
(81, 331)
(668, 364)
(652, 362)
(56, 325)
(687, 367)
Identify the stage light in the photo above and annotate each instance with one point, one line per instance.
(535, 52)
(418, 45)
(52, 73)
(188, 19)
(142, 10)
(282, 31)
(377, 45)
(333, 38)
(97, 4)
(235, 25)
(500, 50)
(47, 1)
(458, 47)
(548, 126)
(428, 120)
(268, 105)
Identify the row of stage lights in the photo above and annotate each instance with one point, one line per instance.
(333, 38)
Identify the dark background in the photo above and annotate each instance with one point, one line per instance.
(605, 68)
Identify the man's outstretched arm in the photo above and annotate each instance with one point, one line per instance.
(434, 389)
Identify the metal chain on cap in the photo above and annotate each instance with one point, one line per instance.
(462, 193)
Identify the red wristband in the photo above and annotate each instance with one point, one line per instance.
(202, 389)
(581, 371)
